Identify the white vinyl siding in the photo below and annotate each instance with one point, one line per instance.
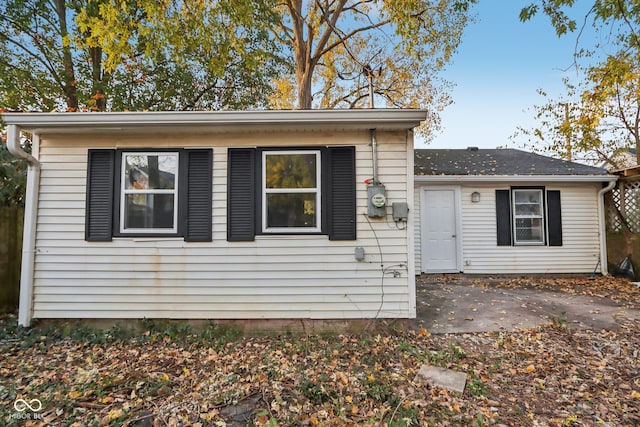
(481, 254)
(279, 277)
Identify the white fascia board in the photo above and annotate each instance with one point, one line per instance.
(442, 179)
(361, 119)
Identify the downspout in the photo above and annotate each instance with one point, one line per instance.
(411, 254)
(30, 215)
(603, 228)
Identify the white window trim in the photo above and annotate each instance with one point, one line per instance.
(124, 192)
(316, 189)
(542, 217)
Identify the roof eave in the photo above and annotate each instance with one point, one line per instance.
(223, 120)
(513, 178)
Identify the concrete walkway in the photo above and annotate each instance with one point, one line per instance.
(461, 306)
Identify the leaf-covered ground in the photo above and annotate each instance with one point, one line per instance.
(168, 374)
(621, 291)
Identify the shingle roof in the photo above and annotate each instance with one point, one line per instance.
(504, 161)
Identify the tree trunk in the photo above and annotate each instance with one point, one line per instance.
(97, 77)
(303, 81)
(68, 73)
(302, 53)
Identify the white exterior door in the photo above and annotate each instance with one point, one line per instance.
(439, 225)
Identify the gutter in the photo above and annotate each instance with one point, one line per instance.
(30, 216)
(361, 119)
(442, 179)
(603, 231)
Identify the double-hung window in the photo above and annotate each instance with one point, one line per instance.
(291, 191)
(149, 192)
(528, 220)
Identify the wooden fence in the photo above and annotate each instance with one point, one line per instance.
(11, 221)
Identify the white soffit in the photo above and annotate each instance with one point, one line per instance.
(217, 121)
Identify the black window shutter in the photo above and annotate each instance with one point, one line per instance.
(341, 199)
(554, 218)
(241, 194)
(503, 217)
(198, 195)
(99, 204)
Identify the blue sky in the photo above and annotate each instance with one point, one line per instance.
(497, 71)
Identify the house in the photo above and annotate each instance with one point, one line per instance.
(218, 215)
(508, 211)
(622, 159)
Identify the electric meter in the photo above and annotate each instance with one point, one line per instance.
(377, 201)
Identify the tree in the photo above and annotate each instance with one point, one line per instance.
(117, 55)
(612, 103)
(13, 176)
(336, 45)
(585, 124)
(602, 113)
(218, 54)
(35, 65)
(621, 17)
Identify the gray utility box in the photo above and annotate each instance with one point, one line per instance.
(400, 211)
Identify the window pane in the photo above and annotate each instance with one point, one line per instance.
(528, 209)
(528, 203)
(148, 172)
(528, 196)
(529, 230)
(290, 170)
(148, 211)
(291, 210)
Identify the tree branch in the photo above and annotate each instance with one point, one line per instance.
(38, 58)
(344, 37)
(625, 18)
(330, 19)
(199, 96)
(288, 32)
(621, 112)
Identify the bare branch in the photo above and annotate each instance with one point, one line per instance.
(330, 19)
(344, 37)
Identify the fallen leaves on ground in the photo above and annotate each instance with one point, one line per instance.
(173, 376)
